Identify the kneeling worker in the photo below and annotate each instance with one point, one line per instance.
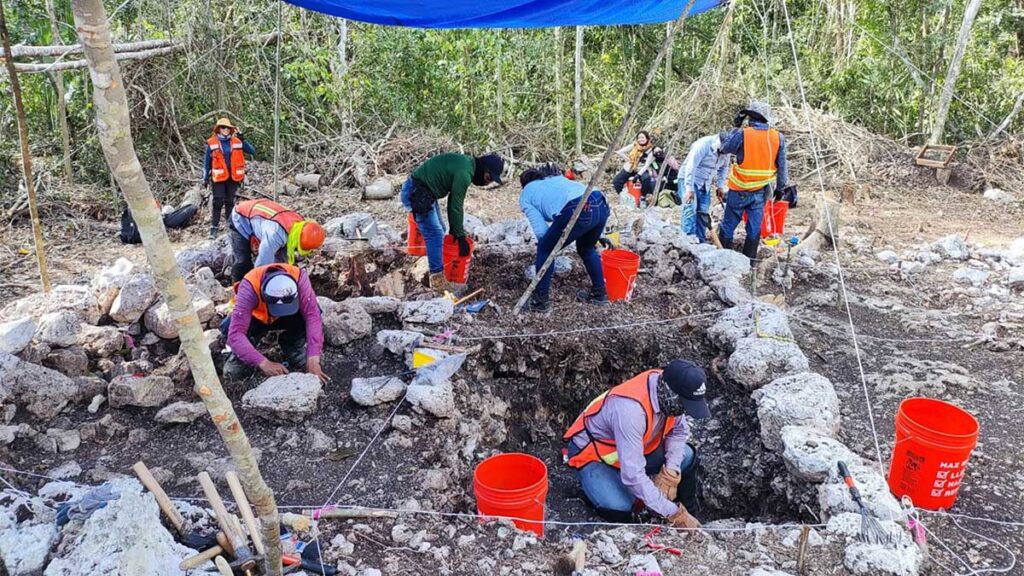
(637, 429)
(276, 233)
(274, 298)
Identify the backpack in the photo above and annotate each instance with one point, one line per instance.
(180, 218)
(129, 230)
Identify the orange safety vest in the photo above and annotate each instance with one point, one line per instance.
(760, 149)
(219, 168)
(269, 210)
(603, 449)
(255, 279)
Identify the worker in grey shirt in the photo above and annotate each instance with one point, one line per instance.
(637, 430)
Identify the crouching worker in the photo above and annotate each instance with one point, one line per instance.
(637, 430)
(274, 232)
(274, 298)
(548, 200)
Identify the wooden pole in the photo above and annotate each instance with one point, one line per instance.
(58, 82)
(619, 134)
(578, 92)
(26, 156)
(113, 126)
(559, 112)
(949, 85)
(668, 64)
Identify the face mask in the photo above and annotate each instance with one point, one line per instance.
(668, 401)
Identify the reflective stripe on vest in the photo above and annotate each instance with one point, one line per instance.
(604, 449)
(268, 210)
(255, 279)
(219, 167)
(758, 169)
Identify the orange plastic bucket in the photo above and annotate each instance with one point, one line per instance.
(512, 485)
(633, 187)
(456, 268)
(619, 267)
(415, 245)
(774, 221)
(934, 440)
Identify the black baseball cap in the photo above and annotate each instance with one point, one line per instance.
(494, 164)
(689, 381)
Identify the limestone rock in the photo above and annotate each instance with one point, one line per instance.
(210, 254)
(805, 399)
(353, 225)
(888, 256)
(754, 319)
(101, 341)
(953, 247)
(720, 262)
(206, 282)
(767, 571)
(834, 497)
(180, 413)
(77, 299)
(41, 391)
(972, 276)
(758, 361)
(25, 547)
(376, 304)
(433, 311)
(811, 453)
(731, 291)
(16, 334)
(901, 558)
(160, 321)
(999, 196)
(137, 294)
(437, 399)
(374, 391)
(344, 322)
(68, 361)
(144, 391)
(1015, 277)
(59, 328)
(108, 282)
(289, 398)
(124, 537)
(63, 440)
(399, 341)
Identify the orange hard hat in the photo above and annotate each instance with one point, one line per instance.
(311, 237)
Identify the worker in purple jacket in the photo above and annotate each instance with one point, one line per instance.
(274, 298)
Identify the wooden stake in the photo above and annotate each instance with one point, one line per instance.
(58, 82)
(26, 156)
(578, 92)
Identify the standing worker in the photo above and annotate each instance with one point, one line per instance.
(705, 167)
(274, 298)
(446, 175)
(636, 430)
(760, 162)
(224, 169)
(275, 232)
(548, 200)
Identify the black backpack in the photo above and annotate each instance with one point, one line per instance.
(129, 230)
(180, 218)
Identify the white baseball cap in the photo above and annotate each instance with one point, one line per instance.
(281, 294)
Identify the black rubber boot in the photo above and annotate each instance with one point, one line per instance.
(687, 493)
(590, 297)
(750, 247)
(539, 306)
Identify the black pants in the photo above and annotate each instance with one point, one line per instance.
(242, 251)
(291, 338)
(223, 198)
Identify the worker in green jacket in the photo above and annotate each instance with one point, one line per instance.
(446, 175)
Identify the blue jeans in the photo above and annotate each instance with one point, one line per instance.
(692, 222)
(603, 485)
(431, 226)
(736, 203)
(586, 232)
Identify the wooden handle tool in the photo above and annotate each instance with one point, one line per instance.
(246, 510)
(162, 500)
(193, 562)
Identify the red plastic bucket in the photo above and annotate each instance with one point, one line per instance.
(456, 268)
(619, 267)
(774, 221)
(633, 187)
(415, 245)
(934, 440)
(514, 486)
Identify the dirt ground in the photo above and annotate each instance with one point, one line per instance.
(520, 393)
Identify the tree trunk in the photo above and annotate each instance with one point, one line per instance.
(58, 50)
(668, 63)
(114, 129)
(310, 181)
(948, 87)
(81, 64)
(578, 92)
(341, 74)
(559, 112)
(26, 156)
(722, 42)
(58, 82)
(1009, 117)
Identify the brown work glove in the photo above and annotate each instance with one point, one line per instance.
(683, 519)
(667, 482)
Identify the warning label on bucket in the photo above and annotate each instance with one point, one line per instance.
(948, 478)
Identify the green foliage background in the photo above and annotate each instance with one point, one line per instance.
(854, 58)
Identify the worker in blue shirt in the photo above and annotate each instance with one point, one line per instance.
(548, 200)
(704, 170)
(760, 162)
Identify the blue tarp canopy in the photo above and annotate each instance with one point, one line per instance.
(507, 13)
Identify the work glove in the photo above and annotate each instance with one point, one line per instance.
(605, 243)
(667, 482)
(683, 519)
(463, 246)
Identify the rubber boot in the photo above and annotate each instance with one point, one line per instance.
(687, 493)
(591, 297)
(750, 247)
(539, 305)
(214, 230)
(439, 283)
(235, 369)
